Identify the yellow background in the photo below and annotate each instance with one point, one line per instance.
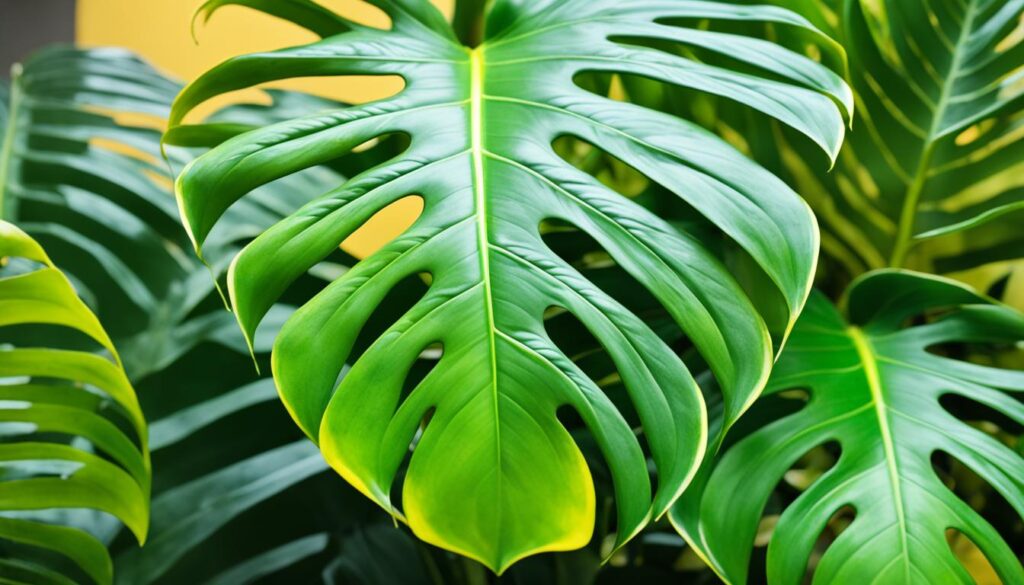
(159, 30)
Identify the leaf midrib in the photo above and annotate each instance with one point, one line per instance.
(908, 214)
(476, 74)
(867, 357)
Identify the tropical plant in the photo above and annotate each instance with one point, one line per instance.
(226, 457)
(481, 122)
(93, 190)
(574, 335)
(74, 435)
(930, 178)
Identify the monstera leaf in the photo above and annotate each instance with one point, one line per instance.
(877, 376)
(931, 176)
(51, 394)
(481, 122)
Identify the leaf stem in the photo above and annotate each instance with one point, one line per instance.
(468, 21)
(475, 572)
(908, 215)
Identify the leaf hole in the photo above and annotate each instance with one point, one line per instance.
(360, 12)
(836, 525)
(811, 466)
(984, 418)
(683, 217)
(259, 209)
(971, 557)
(692, 51)
(386, 225)
(981, 496)
(577, 342)
(346, 89)
(606, 168)
(585, 254)
(398, 484)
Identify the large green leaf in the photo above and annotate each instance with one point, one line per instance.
(73, 433)
(875, 375)
(481, 122)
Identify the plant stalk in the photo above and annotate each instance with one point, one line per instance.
(468, 21)
(908, 215)
(475, 572)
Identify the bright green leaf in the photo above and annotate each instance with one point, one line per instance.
(875, 377)
(43, 475)
(481, 123)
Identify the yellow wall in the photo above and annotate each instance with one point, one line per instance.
(159, 31)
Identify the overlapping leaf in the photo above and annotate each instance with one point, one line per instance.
(878, 388)
(74, 435)
(481, 122)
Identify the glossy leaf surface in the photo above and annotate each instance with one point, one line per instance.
(875, 384)
(481, 122)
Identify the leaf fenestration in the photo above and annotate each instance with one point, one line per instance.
(875, 384)
(481, 123)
